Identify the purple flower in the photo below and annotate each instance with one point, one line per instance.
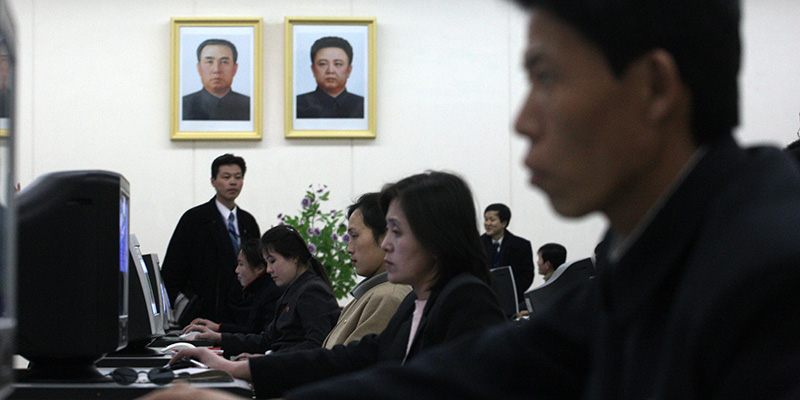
(333, 212)
(346, 238)
(306, 202)
(310, 231)
(280, 216)
(312, 248)
(317, 231)
(334, 237)
(281, 223)
(319, 190)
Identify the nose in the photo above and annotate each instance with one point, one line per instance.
(526, 123)
(385, 244)
(350, 249)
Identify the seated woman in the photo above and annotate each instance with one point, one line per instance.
(375, 299)
(253, 307)
(306, 311)
(433, 245)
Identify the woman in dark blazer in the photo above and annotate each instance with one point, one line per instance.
(306, 311)
(253, 307)
(433, 245)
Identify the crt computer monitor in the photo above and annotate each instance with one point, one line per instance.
(7, 209)
(145, 314)
(73, 255)
(157, 282)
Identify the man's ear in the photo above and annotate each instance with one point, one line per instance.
(663, 87)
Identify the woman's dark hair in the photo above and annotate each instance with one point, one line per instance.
(374, 217)
(251, 249)
(441, 215)
(286, 241)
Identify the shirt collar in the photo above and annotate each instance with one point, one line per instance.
(224, 211)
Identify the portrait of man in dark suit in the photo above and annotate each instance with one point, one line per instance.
(217, 64)
(331, 64)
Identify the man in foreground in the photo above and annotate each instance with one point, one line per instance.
(630, 113)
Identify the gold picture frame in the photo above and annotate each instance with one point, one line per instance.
(216, 100)
(310, 110)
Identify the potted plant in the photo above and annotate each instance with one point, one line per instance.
(327, 238)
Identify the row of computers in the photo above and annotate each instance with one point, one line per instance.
(84, 288)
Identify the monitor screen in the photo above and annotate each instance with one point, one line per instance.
(7, 214)
(151, 316)
(72, 228)
(160, 291)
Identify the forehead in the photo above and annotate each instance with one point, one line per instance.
(229, 169)
(550, 38)
(356, 219)
(216, 51)
(331, 53)
(491, 213)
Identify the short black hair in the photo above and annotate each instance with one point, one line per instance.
(332, 41)
(374, 217)
(218, 42)
(555, 253)
(503, 212)
(702, 36)
(227, 159)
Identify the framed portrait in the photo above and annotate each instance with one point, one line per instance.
(330, 77)
(216, 79)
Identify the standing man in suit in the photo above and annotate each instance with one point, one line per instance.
(201, 258)
(504, 248)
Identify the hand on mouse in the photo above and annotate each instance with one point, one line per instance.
(237, 369)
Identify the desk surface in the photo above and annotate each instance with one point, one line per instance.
(111, 389)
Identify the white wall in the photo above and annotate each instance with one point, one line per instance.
(94, 93)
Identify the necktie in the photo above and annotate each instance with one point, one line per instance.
(496, 255)
(232, 233)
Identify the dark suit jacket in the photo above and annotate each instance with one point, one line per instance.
(304, 316)
(200, 259)
(318, 104)
(577, 273)
(464, 305)
(252, 309)
(702, 305)
(517, 253)
(202, 105)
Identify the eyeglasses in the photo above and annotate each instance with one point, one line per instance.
(159, 376)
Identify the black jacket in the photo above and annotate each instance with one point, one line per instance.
(318, 104)
(251, 309)
(200, 259)
(304, 316)
(464, 305)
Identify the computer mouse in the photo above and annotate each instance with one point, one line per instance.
(175, 347)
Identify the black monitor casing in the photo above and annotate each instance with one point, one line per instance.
(73, 271)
